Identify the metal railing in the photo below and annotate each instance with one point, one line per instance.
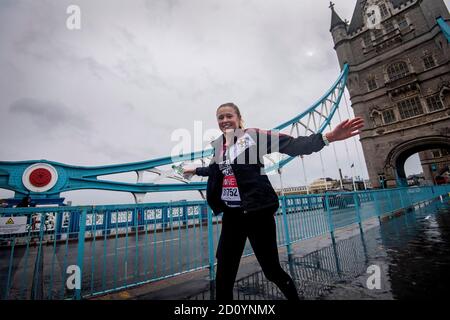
(80, 252)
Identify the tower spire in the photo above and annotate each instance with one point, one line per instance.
(335, 19)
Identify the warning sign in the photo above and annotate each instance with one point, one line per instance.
(12, 225)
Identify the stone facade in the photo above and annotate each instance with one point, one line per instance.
(435, 163)
(399, 82)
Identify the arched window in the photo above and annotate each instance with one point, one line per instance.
(375, 115)
(372, 83)
(397, 70)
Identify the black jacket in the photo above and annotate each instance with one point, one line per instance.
(254, 186)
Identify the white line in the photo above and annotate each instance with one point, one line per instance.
(130, 247)
(143, 244)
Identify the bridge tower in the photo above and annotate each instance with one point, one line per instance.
(399, 82)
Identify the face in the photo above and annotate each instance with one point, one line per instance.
(227, 119)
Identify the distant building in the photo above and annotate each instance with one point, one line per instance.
(293, 190)
(348, 184)
(323, 184)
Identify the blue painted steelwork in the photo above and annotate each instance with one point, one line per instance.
(169, 238)
(336, 89)
(444, 27)
(333, 96)
(78, 177)
(286, 226)
(212, 274)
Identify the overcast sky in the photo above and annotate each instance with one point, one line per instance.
(117, 89)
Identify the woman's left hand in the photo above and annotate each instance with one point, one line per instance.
(346, 129)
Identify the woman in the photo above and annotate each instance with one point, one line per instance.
(238, 187)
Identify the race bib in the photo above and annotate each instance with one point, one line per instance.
(230, 191)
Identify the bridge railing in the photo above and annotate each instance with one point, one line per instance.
(114, 246)
(108, 248)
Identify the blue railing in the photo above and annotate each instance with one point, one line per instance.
(116, 247)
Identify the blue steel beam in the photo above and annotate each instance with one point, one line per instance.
(79, 177)
(341, 80)
(338, 86)
(444, 27)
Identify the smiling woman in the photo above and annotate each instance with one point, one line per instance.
(238, 187)
(229, 117)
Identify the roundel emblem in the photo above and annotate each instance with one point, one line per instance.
(40, 177)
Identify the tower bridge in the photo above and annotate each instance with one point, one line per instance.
(398, 81)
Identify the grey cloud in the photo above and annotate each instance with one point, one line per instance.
(6, 4)
(161, 6)
(52, 114)
(128, 106)
(116, 153)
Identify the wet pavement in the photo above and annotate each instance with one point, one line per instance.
(403, 257)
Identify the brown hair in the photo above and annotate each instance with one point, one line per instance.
(236, 109)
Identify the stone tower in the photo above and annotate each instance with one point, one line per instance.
(399, 82)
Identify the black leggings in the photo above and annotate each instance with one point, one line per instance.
(260, 228)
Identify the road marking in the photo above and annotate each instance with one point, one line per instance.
(155, 242)
(130, 247)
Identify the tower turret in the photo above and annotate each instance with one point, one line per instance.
(338, 30)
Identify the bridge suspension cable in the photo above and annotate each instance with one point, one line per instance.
(360, 165)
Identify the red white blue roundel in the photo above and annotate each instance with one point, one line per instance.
(40, 177)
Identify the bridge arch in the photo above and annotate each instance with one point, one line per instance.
(395, 161)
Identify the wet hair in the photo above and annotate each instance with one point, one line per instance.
(236, 109)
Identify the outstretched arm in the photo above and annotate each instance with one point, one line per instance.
(305, 145)
(346, 129)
